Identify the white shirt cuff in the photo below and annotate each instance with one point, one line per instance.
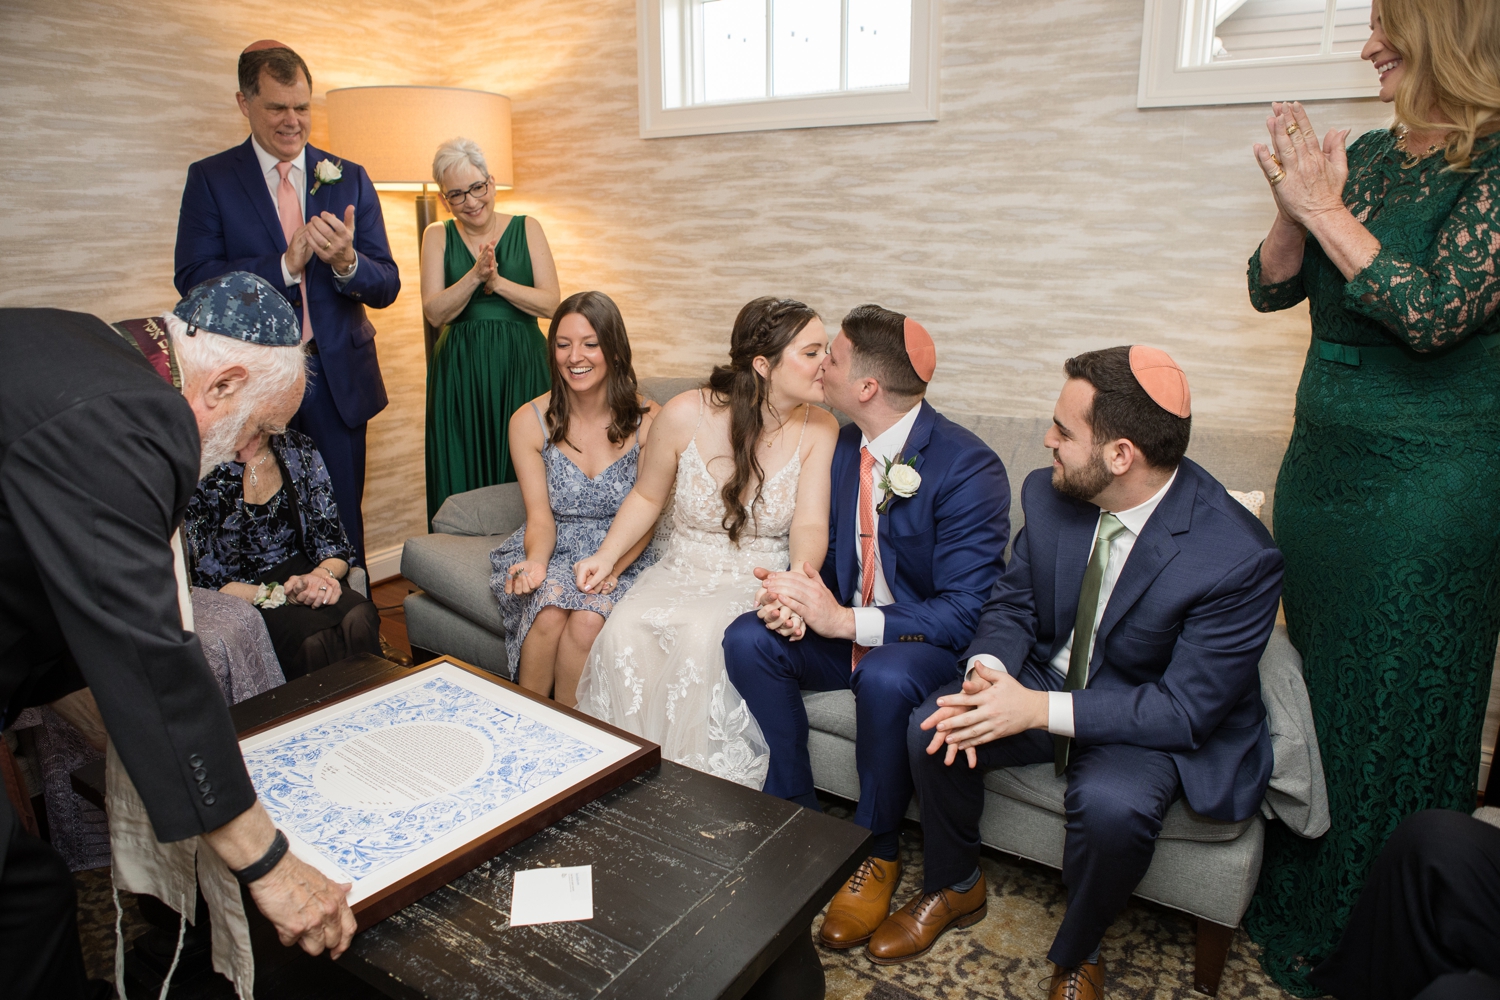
(1060, 713)
(869, 626)
(287, 277)
(343, 279)
(993, 662)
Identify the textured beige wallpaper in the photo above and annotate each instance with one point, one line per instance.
(1043, 215)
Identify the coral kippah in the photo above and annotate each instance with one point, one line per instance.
(1163, 381)
(920, 349)
(264, 43)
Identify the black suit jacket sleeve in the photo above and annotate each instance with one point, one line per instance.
(96, 492)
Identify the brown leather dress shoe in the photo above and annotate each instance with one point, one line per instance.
(861, 905)
(912, 930)
(1083, 983)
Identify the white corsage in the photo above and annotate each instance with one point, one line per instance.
(270, 596)
(326, 172)
(899, 479)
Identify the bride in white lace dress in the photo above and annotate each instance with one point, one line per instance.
(750, 456)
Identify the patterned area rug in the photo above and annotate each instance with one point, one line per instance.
(1148, 952)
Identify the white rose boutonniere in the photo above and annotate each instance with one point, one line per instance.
(326, 172)
(899, 479)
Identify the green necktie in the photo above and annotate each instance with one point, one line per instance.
(1083, 625)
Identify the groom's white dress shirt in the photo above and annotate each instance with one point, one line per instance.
(869, 622)
(1060, 703)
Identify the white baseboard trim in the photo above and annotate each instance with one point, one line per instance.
(383, 564)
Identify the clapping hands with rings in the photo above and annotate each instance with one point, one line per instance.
(1306, 176)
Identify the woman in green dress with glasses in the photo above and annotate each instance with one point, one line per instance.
(486, 277)
(1388, 502)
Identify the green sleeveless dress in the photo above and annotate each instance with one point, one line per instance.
(1388, 512)
(488, 363)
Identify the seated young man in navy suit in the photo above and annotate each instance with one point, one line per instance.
(919, 519)
(1122, 643)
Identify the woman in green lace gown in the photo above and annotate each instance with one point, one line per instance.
(1388, 502)
(486, 277)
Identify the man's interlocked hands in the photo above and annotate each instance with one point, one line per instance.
(791, 602)
(992, 705)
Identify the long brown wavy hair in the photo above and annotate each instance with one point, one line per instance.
(619, 376)
(1452, 53)
(763, 329)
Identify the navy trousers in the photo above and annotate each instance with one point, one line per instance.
(342, 448)
(771, 672)
(1117, 797)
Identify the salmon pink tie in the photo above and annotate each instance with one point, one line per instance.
(866, 542)
(291, 221)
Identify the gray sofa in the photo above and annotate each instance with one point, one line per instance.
(1202, 867)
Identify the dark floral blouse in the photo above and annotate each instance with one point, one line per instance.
(230, 540)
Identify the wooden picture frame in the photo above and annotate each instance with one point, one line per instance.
(392, 897)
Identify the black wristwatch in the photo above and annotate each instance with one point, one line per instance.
(260, 869)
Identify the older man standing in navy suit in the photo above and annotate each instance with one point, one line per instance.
(311, 225)
(1122, 644)
(919, 518)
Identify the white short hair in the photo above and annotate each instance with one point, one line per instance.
(456, 152)
(273, 370)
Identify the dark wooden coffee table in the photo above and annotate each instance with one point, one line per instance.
(700, 886)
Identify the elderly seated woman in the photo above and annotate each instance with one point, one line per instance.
(266, 529)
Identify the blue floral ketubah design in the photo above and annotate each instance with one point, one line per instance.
(361, 841)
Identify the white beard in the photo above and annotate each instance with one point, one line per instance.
(219, 444)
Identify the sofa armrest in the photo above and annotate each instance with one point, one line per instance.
(489, 510)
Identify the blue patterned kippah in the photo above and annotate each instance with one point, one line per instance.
(243, 306)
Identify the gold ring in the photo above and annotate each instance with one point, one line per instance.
(1292, 129)
(327, 245)
(1277, 177)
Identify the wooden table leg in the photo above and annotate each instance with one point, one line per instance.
(1213, 949)
(796, 975)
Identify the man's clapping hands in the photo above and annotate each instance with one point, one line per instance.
(326, 237)
(992, 705)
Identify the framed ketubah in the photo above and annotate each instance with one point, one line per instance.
(403, 786)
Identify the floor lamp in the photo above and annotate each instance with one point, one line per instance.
(393, 132)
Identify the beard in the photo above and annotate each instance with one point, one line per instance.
(222, 440)
(1083, 482)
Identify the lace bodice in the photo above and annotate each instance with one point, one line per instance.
(1434, 281)
(699, 509)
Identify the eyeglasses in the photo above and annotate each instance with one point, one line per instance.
(475, 191)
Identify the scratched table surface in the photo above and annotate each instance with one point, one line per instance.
(699, 885)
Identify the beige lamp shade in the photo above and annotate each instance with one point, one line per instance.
(394, 132)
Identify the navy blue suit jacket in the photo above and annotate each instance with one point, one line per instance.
(229, 222)
(1177, 654)
(942, 549)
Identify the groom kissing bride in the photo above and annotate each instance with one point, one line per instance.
(918, 522)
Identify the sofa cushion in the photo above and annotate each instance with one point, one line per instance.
(455, 571)
(489, 510)
(830, 712)
(661, 388)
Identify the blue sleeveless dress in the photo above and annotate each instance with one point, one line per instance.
(582, 509)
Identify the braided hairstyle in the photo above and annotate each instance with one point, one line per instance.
(763, 329)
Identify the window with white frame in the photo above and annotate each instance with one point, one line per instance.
(1248, 51)
(743, 65)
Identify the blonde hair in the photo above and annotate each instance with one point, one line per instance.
(1452, 53)
(455, 152)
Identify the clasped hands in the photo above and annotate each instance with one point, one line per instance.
(1306, 176)
(486, 270)
(992, 705)
(791, 602)
(327, 237)
(313, 589)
